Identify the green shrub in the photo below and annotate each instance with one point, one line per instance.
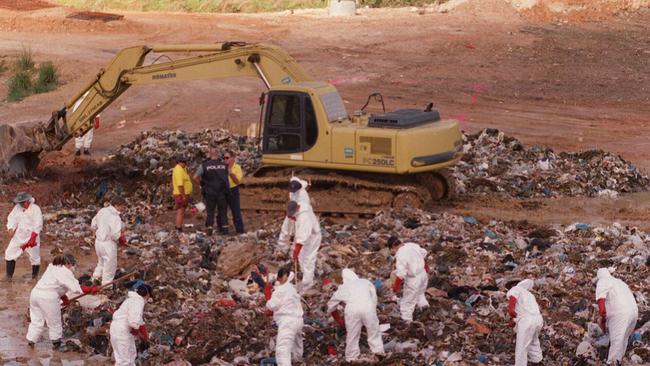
(47, 78)
(25, 61)
(20, 86)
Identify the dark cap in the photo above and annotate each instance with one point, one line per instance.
(294, 186)
(181, 158)
(393, 241)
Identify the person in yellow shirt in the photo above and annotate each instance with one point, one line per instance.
(182, 189)
(235, 176)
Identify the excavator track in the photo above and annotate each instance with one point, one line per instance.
(337, 193)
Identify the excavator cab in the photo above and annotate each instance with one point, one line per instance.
(290, 123)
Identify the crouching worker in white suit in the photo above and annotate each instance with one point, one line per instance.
(523, 307)
(284, 302)
(47, 297)
(360, 298)
(618, 313)
(128, 324)
(24, 224)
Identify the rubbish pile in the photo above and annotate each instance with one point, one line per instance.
(154, 152)
(206, 309)
(496, 163)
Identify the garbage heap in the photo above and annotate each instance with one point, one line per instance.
(206, 309)
(496, 163)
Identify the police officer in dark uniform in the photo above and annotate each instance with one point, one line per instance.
(212, 174)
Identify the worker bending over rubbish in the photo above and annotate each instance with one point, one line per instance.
(411, 270)
(284, 302)
(523, 307)
(109, 232)
(360, 298)
(24, 225)
(618, 312)
(127, 324)
(303, 225)
(47, 296)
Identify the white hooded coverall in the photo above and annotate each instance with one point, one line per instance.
(86, 140)
(301, 196)
(108, 228)
(306, 231)
(127, 317)
(45, 302)
(287, 314)
(409, 263)
(622, 312)
(24, 222)
(360, 298)
(529, 323)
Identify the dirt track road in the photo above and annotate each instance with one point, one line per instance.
(570, 86)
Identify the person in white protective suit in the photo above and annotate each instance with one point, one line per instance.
(109, 232)
(410, 269)
(47, 296)
(128, 324)
(298, 193)
(284, 302)
(304, 227)
(523, 307)
(618, 312)
(360, 298)
(82, 143)
(24, 224)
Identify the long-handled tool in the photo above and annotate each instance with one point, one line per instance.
(116, 281)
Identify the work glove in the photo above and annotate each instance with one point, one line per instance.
(65, 300)
(338, 318)
(427, 269)
(268, 312)
(512, 303)
(31, 242)
(296, 251)
(122, 240)
(96, 122)
(89, 289)
(397, 286)
(143, 334)
(268, 291)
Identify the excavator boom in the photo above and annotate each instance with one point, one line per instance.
(270, 63)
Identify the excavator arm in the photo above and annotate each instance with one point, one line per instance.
(207, 61)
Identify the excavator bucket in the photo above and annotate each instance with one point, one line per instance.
(19, 152)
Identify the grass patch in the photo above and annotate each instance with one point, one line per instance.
(20, 86)
(47, 78)
(25, 60)
(26, 80)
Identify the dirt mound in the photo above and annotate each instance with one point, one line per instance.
(25, 5)
(575, 10)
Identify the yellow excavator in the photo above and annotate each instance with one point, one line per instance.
(387, 159)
